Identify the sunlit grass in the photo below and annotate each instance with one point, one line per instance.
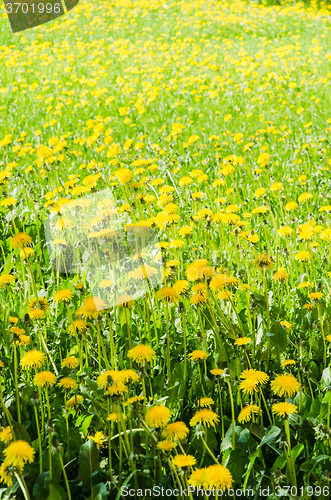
(210, 122)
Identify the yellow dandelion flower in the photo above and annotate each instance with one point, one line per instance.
(183, 461)
(128, 375)
(263, 261)
(280, 275)
(304, 284)
(6, 435)
(198, 299)
(287, 325)
(26, 253)
(141, 354)
(196, 478)
(284, 409)
(199, 270)
(17, 330)
(6, 279)
(92, 307)
(285, 231)
(309, 306)
(176, 430)
(33, 359)
(218, 282)
(116, 389)
(79, 325)
(243, 341)
(23, 340)
(108, 378)
(217, 476)
(158, 416)
(68, 383)
(20, 240)
(285, 385)
(168, 294)
(74, 401)
(99, 439)
(302, 256)
(113, 417)
(252, 380)
(44, 379)
(217, 372)
(249, 386)
(7, 472)
(291, 205)
(205, 417)
(276, 186)
(41, 304)
(259, 376)
(287, 362)
(305, 197)
(63, 295)
(124, 175)
(246, 413)
(166, 445)
(18, 453)
(134, 400)
(144, 272)
(124, 301)
(37, 313)
(198, 355)
(70, 362)
(315, 295)
(181, 286)
(204, 402)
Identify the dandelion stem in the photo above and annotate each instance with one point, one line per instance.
(67, 423)
(39, 441)
(290, 456)
(16, 384)
(76, 336)
(50, 444)
(233, 416)
(209, 450)
(168, 343)
(23, 486)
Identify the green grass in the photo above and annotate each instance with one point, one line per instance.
(103, 90)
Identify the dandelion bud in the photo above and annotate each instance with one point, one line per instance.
(142, 372)
(57, 445)
(283, 441)
(49, 426)
(109, 381)
(278, 476)
(200, 431)
(34, 400)
(117, 398)
(15, 338)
